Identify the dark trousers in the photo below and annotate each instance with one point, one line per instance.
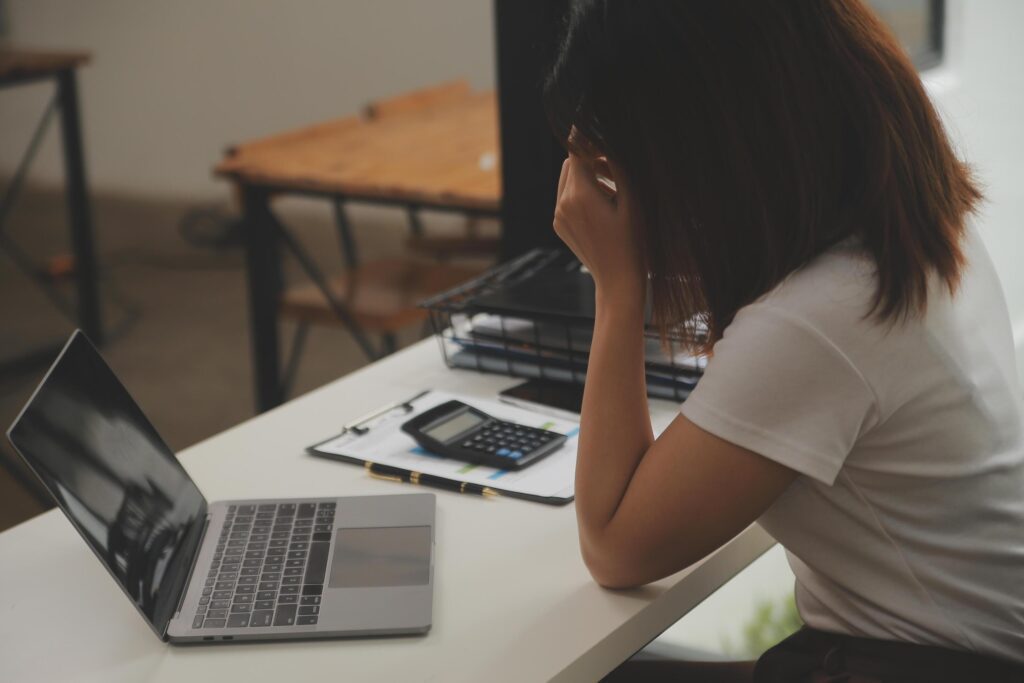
(818, 657)
(810, 656)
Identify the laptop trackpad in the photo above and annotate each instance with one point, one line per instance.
(381, 556)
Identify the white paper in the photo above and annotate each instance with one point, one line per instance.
(552, 337)
(386, 444)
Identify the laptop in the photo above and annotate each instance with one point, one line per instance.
(218, 571)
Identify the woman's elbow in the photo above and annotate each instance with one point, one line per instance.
(610, 569)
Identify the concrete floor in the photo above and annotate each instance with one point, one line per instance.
(177, 314)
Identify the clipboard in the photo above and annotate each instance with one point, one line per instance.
(376, 440)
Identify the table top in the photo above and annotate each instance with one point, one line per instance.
(441, 156)
(513, 600)
(26, 65)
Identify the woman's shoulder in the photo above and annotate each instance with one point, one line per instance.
(833, 293)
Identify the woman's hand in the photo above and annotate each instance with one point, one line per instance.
(601, 230)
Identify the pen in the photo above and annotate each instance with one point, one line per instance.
(378, 471)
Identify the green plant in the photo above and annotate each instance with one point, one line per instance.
(771, 622)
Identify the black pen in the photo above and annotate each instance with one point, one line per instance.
(378, 471)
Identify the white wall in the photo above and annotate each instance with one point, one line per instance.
(175, 81)
(980, 90)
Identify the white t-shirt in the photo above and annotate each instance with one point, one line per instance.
(908, 520)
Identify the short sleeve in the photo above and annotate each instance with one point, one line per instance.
(777, 386)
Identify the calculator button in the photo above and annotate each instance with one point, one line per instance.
(503, 451)
(515, 455)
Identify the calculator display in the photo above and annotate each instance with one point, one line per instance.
(462, 432)
(458, 424)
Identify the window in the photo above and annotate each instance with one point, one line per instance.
(918, 24)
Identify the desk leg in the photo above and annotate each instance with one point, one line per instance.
(348, 244)
(79, 212)
(263, 268)
(415, 223)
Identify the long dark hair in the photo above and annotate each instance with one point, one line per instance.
(754, 134)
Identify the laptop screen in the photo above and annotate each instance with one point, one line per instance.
(114, 477)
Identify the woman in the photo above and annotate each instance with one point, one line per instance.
(783, 179)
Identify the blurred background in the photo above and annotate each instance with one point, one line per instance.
(169, 89)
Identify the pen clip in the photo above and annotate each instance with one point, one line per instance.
(485, 491)
(381, 475)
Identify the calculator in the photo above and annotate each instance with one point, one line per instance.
(456, 430)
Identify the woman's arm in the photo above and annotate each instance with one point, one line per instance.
(646, 508)
(615, 419)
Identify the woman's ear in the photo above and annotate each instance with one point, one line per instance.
(605, 176)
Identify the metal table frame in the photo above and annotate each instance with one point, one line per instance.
(264, 235)
(65, 101)
(86, 310)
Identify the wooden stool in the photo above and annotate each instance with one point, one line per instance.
(383, 296)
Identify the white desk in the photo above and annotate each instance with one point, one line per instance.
(513, 600)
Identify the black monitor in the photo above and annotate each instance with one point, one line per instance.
(114, 477)
(527, 33)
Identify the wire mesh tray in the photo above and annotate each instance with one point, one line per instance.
(532, 317)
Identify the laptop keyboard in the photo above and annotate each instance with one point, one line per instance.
(269, 567)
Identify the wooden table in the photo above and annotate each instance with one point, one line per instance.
(513, 601)
(444, 157)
